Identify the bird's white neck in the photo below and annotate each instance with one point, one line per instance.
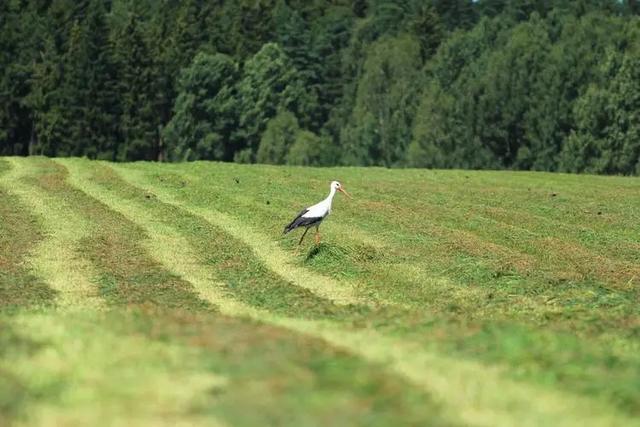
(329, 198)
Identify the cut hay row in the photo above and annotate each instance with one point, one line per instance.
(265, 249)
(85, 341)
(157, 384)
(56, 259)
(473, 393)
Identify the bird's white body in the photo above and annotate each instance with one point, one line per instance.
(321, 209)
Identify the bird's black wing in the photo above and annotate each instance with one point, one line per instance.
(296, 221)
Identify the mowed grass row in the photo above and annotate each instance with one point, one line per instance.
(476, 394)
(20, 232)
(63, 230)
(556, 325)
(580, 335)
(148, 200)
(156, 353)
(401, 239)
(436, 227)
(209, 226)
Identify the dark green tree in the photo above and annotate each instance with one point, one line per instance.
(88, 88)
(21, 30)
(278, 138)
(331, 34)
(607, 137)
(140, 122)
(464, 83)
(441, 138)
(380, 126)
(456, 13)
(309, 149)
(270, 83)
(45, 101)
(204, 113)
(427, 26)
(503, 111)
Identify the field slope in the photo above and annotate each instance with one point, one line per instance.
(156, 294)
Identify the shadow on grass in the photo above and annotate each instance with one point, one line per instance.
(316, 250)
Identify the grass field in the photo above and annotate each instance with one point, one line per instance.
(147, 294)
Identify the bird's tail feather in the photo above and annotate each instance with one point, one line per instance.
(295, 223)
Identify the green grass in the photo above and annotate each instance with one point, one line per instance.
(165, 294)
(19, 233)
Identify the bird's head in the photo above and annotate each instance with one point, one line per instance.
(335, 185)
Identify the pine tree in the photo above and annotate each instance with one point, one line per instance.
(359, 8)
(425, 24)
(44, 100)
(204, 112)
(295, 39)
(381, 122)
(189, 34)
(270, 83)
(331, 35)
(607, 138)
(20, 44)
(456, 13)
(88, 88)
(166, 66)
(139, 121)
(277, 139)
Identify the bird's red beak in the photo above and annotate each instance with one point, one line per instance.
(342, 190)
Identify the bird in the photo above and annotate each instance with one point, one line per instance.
(313, 215)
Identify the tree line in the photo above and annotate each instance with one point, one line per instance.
(533, 84)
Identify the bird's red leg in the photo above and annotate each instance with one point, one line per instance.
(317, 235)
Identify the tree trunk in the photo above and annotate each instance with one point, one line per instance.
(160, 155)
(33, 139)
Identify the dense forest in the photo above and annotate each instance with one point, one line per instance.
(503, 84)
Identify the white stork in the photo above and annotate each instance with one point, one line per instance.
(313, 215)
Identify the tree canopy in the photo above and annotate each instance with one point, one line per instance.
(531, 85)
